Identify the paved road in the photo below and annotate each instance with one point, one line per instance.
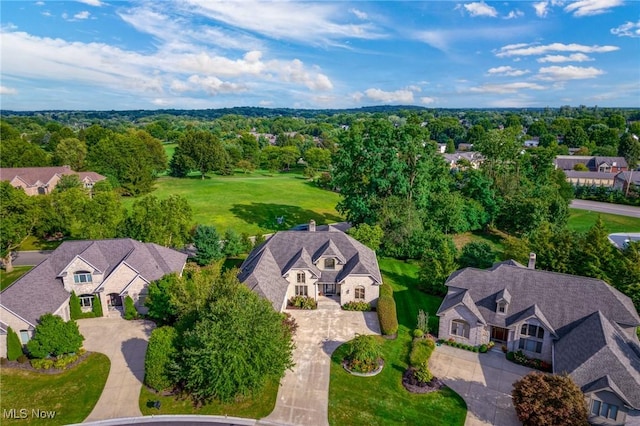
(30, 258)
(303, 396)
(125, 343)
(596, 206)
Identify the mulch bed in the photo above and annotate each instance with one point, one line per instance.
(414, 386)
(27, 365)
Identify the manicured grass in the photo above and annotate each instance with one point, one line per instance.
(382, 400)
(582, 220)
(71, 394)
(251, 408)
(8, 278)
(252, 203)
(33, 243)
(169, 149)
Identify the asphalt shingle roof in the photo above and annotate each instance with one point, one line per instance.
(265, 267)
(40, 291)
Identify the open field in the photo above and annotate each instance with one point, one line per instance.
(582, 220)
(252, 203)
(70, 395)
(382, 400)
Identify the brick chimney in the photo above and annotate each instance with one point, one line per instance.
(532, 261)
(312, 225)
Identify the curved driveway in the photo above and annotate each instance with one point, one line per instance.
(125, 343)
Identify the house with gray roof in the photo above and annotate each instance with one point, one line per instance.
(581, 326)
(313, 262)
(111, 269)
(593, 163)
(43, 180)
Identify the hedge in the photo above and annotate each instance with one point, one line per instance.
(386, 290)
(421, 352)
(130, 311)
(159, 354)
(14, 346)
(387, 315)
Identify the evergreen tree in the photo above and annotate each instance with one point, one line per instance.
(96, 306)
(14, 346)
(208, 246)
(75, 310)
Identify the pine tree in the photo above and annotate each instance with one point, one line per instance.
(96, 307)
(14, 346)
(74, 306)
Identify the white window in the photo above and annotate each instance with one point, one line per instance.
(533, 340)
(302, 290)
(502, 307)
(24, 336)
(460, 328)
(82, 277)
(359, 293)
(86, 300)
(330, 263)
(301, 277)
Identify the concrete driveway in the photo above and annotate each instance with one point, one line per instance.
(125, 343)
(303, 396)
(484, 381)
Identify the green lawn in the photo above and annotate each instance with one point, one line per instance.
(252, 408)
(252, 203)
(382, 400)
(582, 220)
(33, 243)
(6, 279)
(71, 394)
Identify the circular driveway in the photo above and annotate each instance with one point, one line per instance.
(125, 343)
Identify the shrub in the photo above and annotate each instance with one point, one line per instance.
(363, 353)
(290, 323)
(510, 356)
(387, 315)
(42, 364)
(23, 359)
(3, 361)
(159, 354)
(97, 306)
(422, 373)
(303, 302)
(130, 311)
(421, 352)
(422, 322)
(75, 310)
(386, 290)
(64, 360)
(54, 337)
(417, 333)
(14, 346)
(483, 348)
(357, 306)
(549, 399)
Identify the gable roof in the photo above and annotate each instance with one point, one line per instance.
(561, 299)
(41, 290)
(597, 354)
(264, 268)
(33, 176)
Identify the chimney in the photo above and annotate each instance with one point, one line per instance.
(532, 261)
(312, 225)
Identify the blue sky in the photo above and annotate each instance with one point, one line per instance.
(104, 55)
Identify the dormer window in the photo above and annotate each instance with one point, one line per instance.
(330, 263)
(502, 307)
(82, 277)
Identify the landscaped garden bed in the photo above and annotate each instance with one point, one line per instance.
(480, 348)
(520, 358)
(302, 302)
(357, 306)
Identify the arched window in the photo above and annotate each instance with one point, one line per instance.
(460, 328)
(82, 277)
(359, 295)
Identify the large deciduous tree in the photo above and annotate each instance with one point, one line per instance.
(166, 222)
(237, 344)
(18, 217)
(53, 337)
(549, 399)
(200, 150)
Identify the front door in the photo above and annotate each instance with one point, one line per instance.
(499, 334)
(114, 300)
(329, 289)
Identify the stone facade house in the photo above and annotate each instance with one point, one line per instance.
(111, 269)
(581, 326)
(43, 180)
(312, 263)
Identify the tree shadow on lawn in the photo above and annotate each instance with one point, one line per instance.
(278, 217)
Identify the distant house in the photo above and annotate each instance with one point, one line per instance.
(111, 269)
(43, 180)
(593, 163)
(464, 159)
(532, 143)
(590, 178)
(624, 180)
(581, 326)
(312, 263)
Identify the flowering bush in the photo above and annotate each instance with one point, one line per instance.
(303, 302)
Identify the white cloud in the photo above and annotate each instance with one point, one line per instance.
(214, 86)
(506, 88)
(443, 39)
(426, 100)
(313, 23)
(480, 9)
(96, 3)
(533, 49)
(46, 13)
(574, 57)
(4, 90)
(628, 29)
(591, 7)
(507, 71)
(265, 103)
(569, 72)
(514, 14)
(541, 8)
(379, 95)
(39, 3)
(82, 15)
(359, 14)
